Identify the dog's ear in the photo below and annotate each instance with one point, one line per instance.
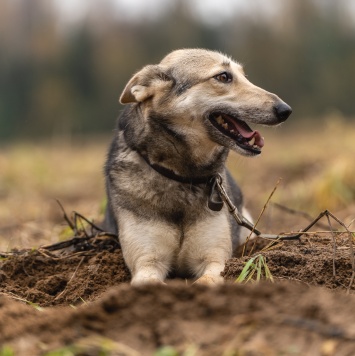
(144, 84)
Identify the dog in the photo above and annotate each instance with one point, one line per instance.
(183, 117)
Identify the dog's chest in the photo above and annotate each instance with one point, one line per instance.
(137, 187)
(161, 198)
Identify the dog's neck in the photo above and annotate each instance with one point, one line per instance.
(168, 173)
(171, 150)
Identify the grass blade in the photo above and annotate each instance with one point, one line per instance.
(245, 272)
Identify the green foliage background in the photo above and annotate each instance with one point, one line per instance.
(64, 81)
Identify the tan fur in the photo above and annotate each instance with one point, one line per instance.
(183, 88)
(198, 66)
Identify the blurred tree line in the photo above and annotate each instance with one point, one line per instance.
(57, 80)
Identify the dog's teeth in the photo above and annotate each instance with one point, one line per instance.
(225, 126)
(220, 120)
(252, 141)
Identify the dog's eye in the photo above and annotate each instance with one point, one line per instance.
(224, 77)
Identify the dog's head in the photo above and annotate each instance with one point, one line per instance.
(207, 95)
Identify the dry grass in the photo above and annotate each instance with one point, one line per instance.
(34, 175)
(316, 164)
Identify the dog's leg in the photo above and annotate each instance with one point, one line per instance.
(148, 247)
(207, 246)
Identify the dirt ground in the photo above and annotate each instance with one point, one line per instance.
(88, 307)
(77, 301)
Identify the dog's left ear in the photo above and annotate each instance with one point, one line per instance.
(145, 84)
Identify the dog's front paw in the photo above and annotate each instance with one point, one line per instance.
(211, 280)
(139, 281)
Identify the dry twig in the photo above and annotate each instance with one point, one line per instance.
(259, 217)
(83, 240)
(76, 269)
(297, 212)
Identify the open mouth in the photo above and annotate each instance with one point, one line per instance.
(239, 131)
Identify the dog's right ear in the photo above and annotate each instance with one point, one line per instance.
(145, 84)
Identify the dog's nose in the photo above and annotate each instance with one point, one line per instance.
(282, 111)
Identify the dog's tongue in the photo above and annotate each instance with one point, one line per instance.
(259, 141)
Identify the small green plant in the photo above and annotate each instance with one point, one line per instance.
(166, 351)
(75, 350)
(171, 351)
(65, 233)
(99, 346)
(65, 351)
(7, 351)
(255, 267)
(35, 306)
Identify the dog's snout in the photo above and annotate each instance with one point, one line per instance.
(282, 111)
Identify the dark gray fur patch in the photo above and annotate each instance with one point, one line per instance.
(162, 124)
(176, 203)
(182, 88)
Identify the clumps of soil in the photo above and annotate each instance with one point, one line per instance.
(71, 279)
(89, 304)
(316, 260)
(46, 279)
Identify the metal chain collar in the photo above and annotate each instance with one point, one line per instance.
(218, 196)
